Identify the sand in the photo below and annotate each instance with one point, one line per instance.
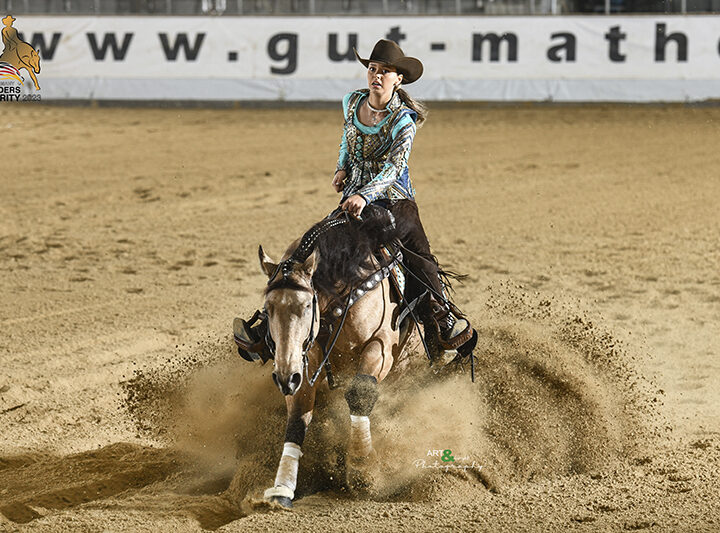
(590, 236)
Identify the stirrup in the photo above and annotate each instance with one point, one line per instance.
(460, 334)
(460, 354)
(249, 339)
(457, 330)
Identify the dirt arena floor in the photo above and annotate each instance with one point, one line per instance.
(591, 240)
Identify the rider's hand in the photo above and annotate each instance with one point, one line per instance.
(354, 205)
(338, 180)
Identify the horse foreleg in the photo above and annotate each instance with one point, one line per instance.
(300, 409)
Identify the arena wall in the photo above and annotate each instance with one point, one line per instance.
(567, 59)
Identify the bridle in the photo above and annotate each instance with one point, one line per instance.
(311, 336)
(303, 251)
(340, 313)
(284, 268)
(309, 341)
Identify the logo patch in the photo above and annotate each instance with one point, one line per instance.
(17, 55)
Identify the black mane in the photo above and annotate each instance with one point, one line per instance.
(346, 251)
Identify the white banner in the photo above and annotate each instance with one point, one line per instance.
(638, 58)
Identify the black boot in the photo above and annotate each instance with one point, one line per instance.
(447, 331)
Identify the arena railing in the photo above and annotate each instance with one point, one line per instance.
(354, 7)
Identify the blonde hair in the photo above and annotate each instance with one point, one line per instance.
(415, 105)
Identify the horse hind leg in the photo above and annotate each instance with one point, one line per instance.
(361, 396)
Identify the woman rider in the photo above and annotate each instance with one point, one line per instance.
(380, 124)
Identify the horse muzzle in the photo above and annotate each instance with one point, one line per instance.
(288, 385)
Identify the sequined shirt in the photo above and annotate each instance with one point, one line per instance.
(375, 158)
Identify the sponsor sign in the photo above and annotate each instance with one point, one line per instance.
(17, 55)
(638, 58)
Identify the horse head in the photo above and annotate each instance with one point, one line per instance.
(33, 59)
(293, 317)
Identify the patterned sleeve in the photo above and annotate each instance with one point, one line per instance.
(397, 160)
(343, 155)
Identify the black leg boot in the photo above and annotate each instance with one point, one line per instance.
(453, 333)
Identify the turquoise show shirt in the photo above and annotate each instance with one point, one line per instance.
(375, 158)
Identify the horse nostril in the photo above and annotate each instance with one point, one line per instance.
(295, 381)
(275, 379)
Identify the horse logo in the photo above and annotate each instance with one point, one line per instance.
(17, 55)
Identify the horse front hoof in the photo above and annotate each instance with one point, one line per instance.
(282, 500)
(281, 495)
(359, 482)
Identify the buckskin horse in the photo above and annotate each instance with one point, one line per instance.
(331, 293)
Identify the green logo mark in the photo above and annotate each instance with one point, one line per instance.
(447, 456)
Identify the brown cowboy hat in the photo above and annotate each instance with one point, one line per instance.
(389, 53)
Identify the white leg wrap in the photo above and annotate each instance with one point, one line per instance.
(360, 439)
(286, 477)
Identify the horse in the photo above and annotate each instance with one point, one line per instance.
(333, 273)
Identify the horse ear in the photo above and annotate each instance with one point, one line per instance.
(310, 264)
(266, 264)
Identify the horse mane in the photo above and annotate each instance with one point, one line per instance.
(346, 251)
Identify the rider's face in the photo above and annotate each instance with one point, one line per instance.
(382, 79)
